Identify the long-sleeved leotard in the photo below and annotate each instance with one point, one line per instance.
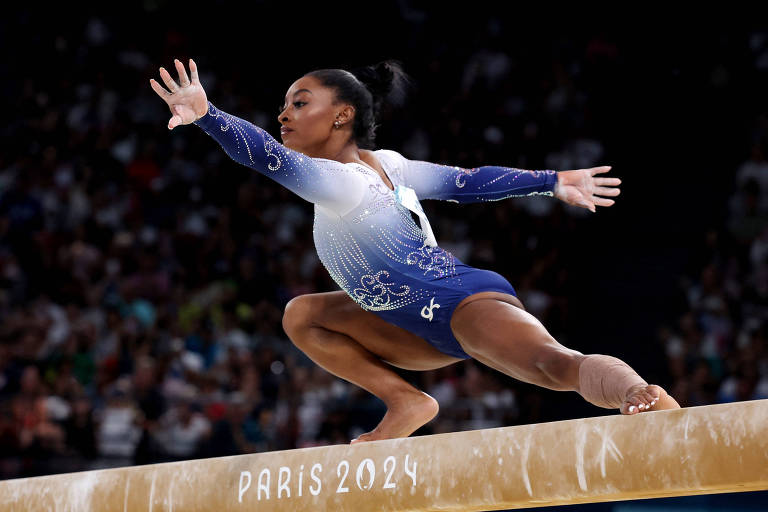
(364, 233)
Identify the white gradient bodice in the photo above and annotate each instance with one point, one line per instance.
(363, 231)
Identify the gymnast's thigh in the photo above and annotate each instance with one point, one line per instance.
(393, 344)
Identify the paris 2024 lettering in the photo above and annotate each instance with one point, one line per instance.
(365, 478)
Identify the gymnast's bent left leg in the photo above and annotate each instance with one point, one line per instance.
(358, 346)
(495, 329)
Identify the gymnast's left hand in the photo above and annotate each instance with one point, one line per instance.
(581, 188)
(186, 99)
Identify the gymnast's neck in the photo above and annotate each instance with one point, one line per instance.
(344, 152)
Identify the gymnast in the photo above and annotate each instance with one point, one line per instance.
(404, 301)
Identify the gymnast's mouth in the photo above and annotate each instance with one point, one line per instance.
(284, 130)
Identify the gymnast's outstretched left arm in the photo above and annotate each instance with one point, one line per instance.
(492, 183)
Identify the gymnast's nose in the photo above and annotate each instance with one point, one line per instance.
(282, 117)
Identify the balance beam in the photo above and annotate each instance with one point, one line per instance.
(699, 450)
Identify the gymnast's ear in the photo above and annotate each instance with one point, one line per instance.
(345, 115)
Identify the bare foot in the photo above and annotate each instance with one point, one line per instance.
(403, 418)
(647, 398)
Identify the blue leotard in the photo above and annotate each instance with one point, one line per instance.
(364, 233)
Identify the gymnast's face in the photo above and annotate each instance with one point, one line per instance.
(308, 116)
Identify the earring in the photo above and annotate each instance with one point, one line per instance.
(337, 124)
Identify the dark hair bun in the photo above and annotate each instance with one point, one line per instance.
(368, 89)
(386, 81)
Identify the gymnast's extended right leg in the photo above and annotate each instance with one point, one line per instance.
(358, 346)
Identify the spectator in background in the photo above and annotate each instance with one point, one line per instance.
(239, 431)
(81, 430)
(182, 431)
(119, 427)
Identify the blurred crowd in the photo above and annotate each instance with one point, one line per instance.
(717, 343)
(143, 275)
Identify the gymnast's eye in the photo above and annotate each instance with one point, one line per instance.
(297, 104)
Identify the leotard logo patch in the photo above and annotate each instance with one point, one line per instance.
(426, 311)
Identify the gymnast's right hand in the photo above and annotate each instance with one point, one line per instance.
(187, 99)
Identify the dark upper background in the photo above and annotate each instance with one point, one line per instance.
(91, 179)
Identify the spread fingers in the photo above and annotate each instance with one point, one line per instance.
(604, 191)
(172, 86)
(610, 182)
(193, 71)
(159, 89)
(600, 201)
(183, 78)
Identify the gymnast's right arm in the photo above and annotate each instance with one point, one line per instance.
(332, 185)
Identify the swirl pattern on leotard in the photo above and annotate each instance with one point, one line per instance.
(461, 177)
(432, 260)
(376, 293)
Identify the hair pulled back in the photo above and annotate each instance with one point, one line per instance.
(368, 89)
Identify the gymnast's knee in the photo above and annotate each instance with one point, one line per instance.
(300, 313)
